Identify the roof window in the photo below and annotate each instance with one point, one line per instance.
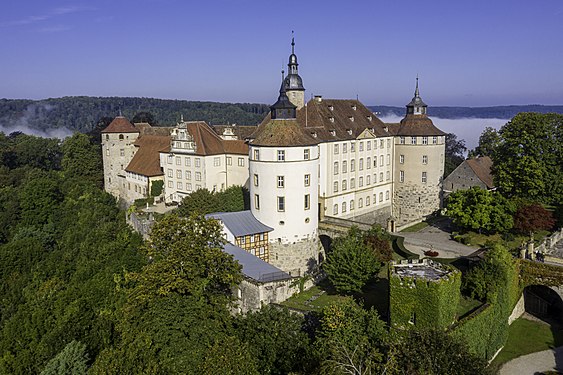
(333, 133)
(331, 107)
(349, 131)
(331, 119)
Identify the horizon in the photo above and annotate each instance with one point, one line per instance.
(471, 55)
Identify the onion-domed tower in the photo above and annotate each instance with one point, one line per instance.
(283, 166)
(293, 82)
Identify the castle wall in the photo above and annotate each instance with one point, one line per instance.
(296, 258)
(252, 295)
(118, 149)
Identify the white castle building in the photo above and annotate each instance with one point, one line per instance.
(306, 161)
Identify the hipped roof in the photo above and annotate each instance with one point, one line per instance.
(146, 161)
(120, 124)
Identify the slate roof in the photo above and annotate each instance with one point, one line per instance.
(241, 223)
(482, 168)
(254, 267)
(120, 124)
(146, 160)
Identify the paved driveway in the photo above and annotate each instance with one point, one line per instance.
(438, 238)
(534, 363)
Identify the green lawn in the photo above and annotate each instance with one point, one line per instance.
(313, 299)
(525, 337)
(416, 227)
(481, 240)
(466, 305)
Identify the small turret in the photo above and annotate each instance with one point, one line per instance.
(416, 105)
(283, 109)
(293, 82)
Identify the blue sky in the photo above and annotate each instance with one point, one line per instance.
(471, 53)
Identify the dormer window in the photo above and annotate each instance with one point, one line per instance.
(386, 129)
(333, 133)
(351, 118)
(331, 107)
(349, 131)
(331, 119)
(354, 107)
(314, 134)
(369, 118)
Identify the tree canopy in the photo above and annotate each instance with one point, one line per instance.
(454, 154)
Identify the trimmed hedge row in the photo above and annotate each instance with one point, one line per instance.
(399, 247)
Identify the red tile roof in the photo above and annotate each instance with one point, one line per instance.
(120, 124)
(146, 160)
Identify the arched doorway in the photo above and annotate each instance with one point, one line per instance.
(543, 302)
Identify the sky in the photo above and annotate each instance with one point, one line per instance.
(470, 53)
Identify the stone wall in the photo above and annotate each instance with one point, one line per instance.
(519, 309)
(296, 258)
(252, 295)
(415, 202)
(462, 178)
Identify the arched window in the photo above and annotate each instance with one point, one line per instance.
(343, 207)
(120, 136)
(335, 210)
(380, 197)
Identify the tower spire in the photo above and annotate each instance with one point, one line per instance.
(292, 43)
(416, 105)
(416, 93)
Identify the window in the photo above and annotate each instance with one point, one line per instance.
(381, 143)
(198, 176)
(423, 177)
(387, 195)
(351, 205)
(255, 180)
(352, 183)
(352, 147)
(335, 209)
(361, 182)
(188, 175)
(402, 140)
(307, 202)
(120, 136)
(367, 201)
(306, 153)
(171, 184)
(281, 204)
(360, 203)
(170, 173)
(352, 165)
(178, 173)
(388, 159)
(402, 176)
(345, 148)
(368, 179)
(189, 187)
(336, 149)
(170, 157)
(387, 176)
(335, 167)
(381, 160)
(335, 187)
(381, 197)
(256, 154)
(281, 155)
(380, 176)
(107, 151)
(361, 146)
(413, 140)
(424, 159)
(188, 161)
(307, 180)
(368, 145)
(122, 152)
(424, 140)
(281, 181)
(178, 160)
(434, 139)
(402, 159)
(179, 186)
(375, 161)
(343, 207)
(256, 201)
(216, 161)
(344, 166)
(361, 164)
(388, 143)
(241, 162)
(368, 163)
(344, 185)
(197, 162)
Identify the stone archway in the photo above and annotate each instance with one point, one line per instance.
(544, 302)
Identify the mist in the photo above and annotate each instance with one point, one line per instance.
(468, 129)
(60, 133)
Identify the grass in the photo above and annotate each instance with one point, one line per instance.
(480, 240)
(313, 299)
(466, 305)
(416, 227)
(525, 337)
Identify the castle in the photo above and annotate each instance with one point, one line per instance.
(306, 162)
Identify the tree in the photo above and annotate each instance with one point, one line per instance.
(528, 162)
(351, 262)
(82, 159)
(454, 154)
(478, 209)
(229, 356)
(203, 201)
(144, 117)
(380, 241)
(72, 359)
(351, 340)
(488, 142)
(436, 352)
(276, 339)
(532, 218)
(157, 188)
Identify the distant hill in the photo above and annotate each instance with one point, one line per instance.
(82, 112)
(503, 112)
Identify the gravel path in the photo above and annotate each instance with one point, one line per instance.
(437, 239)
(530, 364)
